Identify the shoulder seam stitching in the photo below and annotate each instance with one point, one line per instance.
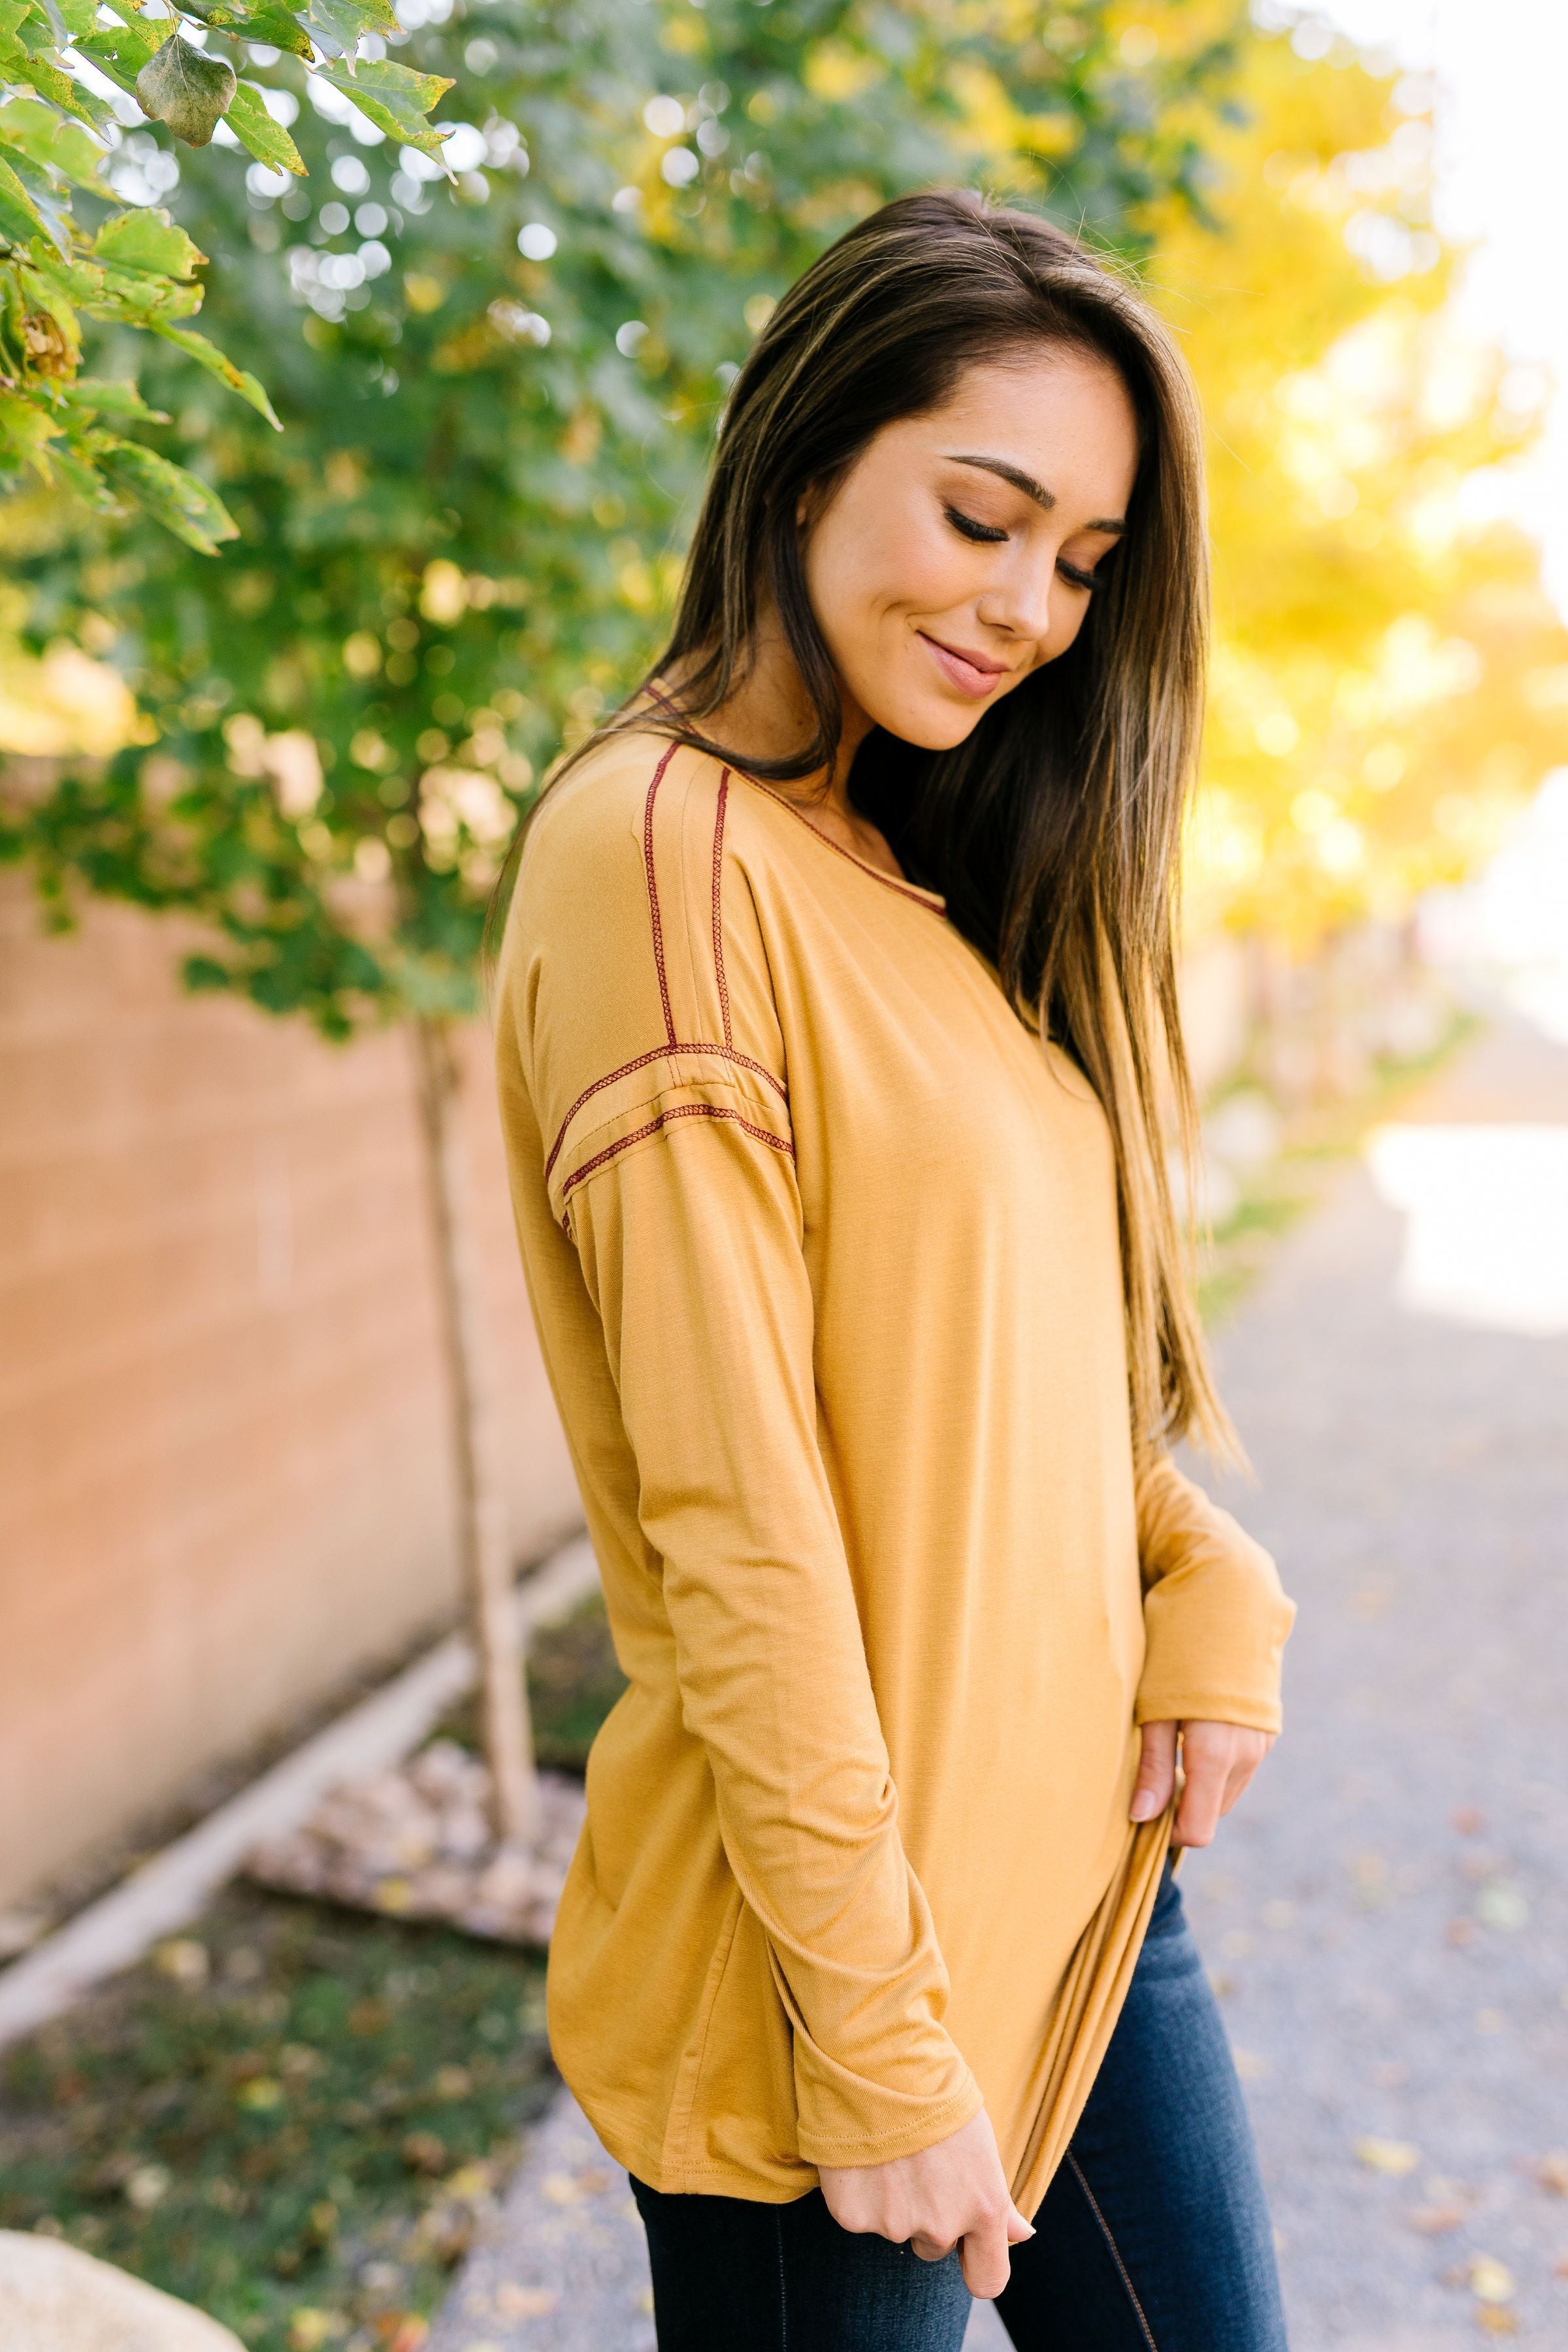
(659, 1054)
(717, 913)
(653, 893)
(667, 1118)
(673, 1045)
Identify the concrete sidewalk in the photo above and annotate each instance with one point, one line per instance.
(1387, 1914)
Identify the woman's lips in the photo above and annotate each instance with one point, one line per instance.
(971, 677)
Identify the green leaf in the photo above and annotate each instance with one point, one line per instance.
(207, 355)
(20, 219)
(168, 492)
(187, 89)
(57, 88)
(121, 51)
(109, 396)
(78, 16)
(275, 24)
(394, 99)
(27, 428)
(147, 240)
(265, 22)
(36, 132)
(267, 140)
(339, 26)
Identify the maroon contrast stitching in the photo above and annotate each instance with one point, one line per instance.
(659, 1054)
(933, 898)
(653, 891)
(667, 1118)
(1115, 2253)
(718, 918)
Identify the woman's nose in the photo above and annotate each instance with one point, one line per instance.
(1021, 602)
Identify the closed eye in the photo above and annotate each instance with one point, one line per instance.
(1079, 579)
(967, 527)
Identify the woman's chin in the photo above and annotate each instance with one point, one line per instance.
(931, 724)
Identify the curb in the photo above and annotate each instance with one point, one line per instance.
(169, 1890)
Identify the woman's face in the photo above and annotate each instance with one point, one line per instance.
(960, 552)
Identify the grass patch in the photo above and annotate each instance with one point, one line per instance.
(573, 1680)
(290, 2117)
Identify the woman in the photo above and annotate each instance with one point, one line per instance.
(836, 1004)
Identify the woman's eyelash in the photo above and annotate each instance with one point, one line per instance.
(966, 526)
(989, 534)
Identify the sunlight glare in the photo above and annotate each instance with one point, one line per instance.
(1487, 1240)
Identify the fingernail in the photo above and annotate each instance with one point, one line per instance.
(1145, 1805)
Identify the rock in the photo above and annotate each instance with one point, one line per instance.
(414, 1840)
(54, 2298)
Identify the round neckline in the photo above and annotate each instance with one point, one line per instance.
(931, 898)
(906, 889)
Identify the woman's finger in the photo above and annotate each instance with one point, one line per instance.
(1156, 1773)
(1206, 1763)
(984, 2256)
(929, 2249)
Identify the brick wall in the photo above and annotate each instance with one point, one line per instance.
(223, 1473)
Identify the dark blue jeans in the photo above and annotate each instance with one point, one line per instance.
(1154, 2235)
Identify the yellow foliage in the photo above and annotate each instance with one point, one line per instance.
(1389, 679)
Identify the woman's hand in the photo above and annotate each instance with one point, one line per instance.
(1219, 1760)
(955, 2194)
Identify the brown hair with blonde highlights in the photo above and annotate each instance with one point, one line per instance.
(1053, 829)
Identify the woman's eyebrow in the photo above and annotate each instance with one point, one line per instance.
(1007, 472)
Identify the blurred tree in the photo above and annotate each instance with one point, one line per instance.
(499, 397)
(1390, 680)
(64, 64)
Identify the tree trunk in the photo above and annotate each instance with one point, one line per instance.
(482, 1535)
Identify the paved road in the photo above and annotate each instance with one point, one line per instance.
(1387, 1916)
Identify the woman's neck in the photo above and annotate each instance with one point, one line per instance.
(770, 716)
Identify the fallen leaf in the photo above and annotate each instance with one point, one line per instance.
(1468, 1820)
(1552, 2172)
(524, 2302)
(1459, 1932)
(469, 2180)
(260, 2095)
(1432, 2220)
(1496, 2319)
(1502, 1907)
(423, 2152)
(310, 2328)
(183, 1961)
(1394, 2156)
(1490, 2280)
(571, 2188)
(1250, 2065)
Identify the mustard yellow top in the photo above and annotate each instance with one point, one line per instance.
(823, 1249)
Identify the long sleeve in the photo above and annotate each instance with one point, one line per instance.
(671, 1174)
(1214, 1614)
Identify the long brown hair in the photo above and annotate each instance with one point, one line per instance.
(1053, 829)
